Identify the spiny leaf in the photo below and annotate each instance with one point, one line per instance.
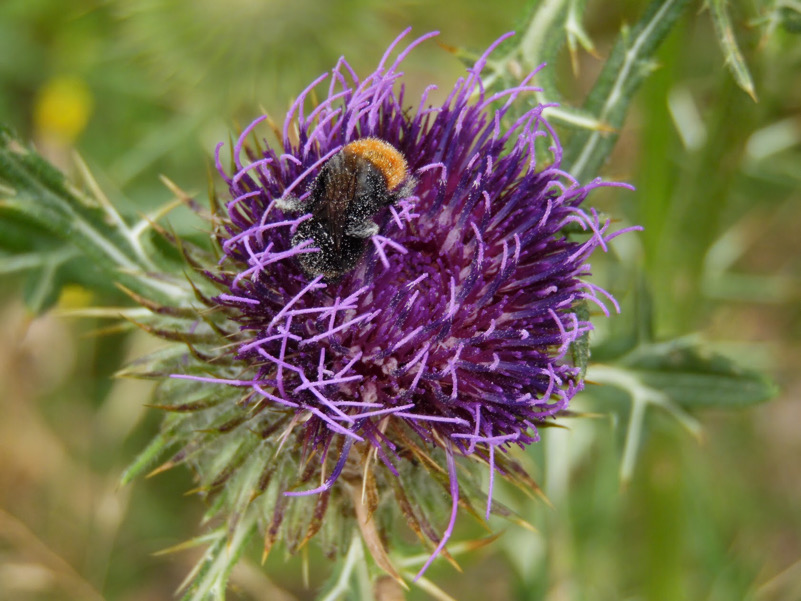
(541, 36)
(35, 192)
(624, 71)
(790, 17)
(580, 349)
(42, 288)
(147, 457)
(677, 376)
(728, 43)
(209, 578)
(694, 377)
(576, 34)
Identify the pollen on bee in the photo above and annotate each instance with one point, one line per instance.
(384, 156)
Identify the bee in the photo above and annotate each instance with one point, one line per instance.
(353, 186)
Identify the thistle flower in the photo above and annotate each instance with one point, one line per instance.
(446, 336)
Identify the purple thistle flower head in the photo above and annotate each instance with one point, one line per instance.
(449, 319)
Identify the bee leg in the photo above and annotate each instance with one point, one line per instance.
(362, 230)
(405, 191)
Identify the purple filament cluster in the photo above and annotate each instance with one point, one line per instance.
(458, 321)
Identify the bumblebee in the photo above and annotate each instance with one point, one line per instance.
(353, 186)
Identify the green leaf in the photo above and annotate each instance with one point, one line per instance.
(728, 43)
(349, 574)
(35, 193)
(209, 578)
(549, 25)
(42, 288)
(677, 376)
(790, 17)
(48, 271)
(580, 349)
(18, 235)
(624, 71)
(541, 38)
(576, 34)
(696, 378)
(149, 455)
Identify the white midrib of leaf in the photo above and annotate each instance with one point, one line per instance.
(123, 262)
(131, 234)
(537, 33)
(641, 397)
(212, 584)
(631, 57)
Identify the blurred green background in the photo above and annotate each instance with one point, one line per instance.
(148, 87)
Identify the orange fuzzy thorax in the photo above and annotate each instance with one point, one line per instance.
(384, 156)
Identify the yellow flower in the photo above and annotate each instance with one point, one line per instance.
(62, 109)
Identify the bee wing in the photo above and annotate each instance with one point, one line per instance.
(338, 183)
